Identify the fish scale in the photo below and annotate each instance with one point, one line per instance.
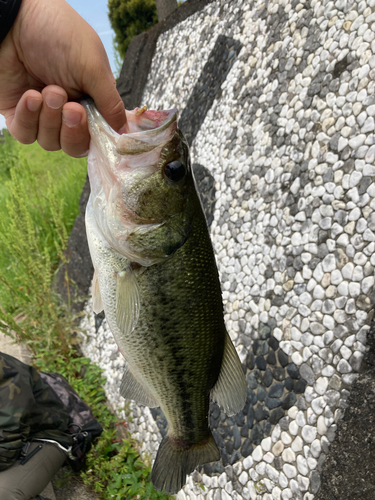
(194, 332)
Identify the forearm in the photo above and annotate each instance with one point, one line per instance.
(50, 56)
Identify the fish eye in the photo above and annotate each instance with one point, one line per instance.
(175, 171)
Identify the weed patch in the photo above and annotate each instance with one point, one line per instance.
(39, 200)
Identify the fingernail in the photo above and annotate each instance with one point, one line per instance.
(33, 104)
(71, 118)
(83, 154)
(54, 101)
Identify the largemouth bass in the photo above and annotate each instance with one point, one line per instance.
(156, 278)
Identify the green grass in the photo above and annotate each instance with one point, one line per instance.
(39, 195)
(33, 167)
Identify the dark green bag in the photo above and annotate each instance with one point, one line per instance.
(41, 406)
(83, 426)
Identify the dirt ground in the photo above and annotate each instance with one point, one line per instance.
(69, 486)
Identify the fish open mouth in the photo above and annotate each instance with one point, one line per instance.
(150, 121)
(146, 130)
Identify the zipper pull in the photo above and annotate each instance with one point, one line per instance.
(25, 449)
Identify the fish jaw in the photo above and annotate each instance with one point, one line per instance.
(116, 164)
(113, 157)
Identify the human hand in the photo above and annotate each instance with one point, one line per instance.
(49, 57)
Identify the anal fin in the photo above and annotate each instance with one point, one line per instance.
(130, 388)
(230, 389)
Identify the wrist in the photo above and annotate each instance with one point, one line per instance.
(8, 13)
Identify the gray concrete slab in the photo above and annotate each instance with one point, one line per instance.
(19, 351)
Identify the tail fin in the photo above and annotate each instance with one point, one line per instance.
(174, 461)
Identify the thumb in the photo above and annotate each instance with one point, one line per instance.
(102, 89)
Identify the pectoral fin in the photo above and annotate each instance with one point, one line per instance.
(97, 303)
(128, 301)
(130, 388)
(230, 389)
